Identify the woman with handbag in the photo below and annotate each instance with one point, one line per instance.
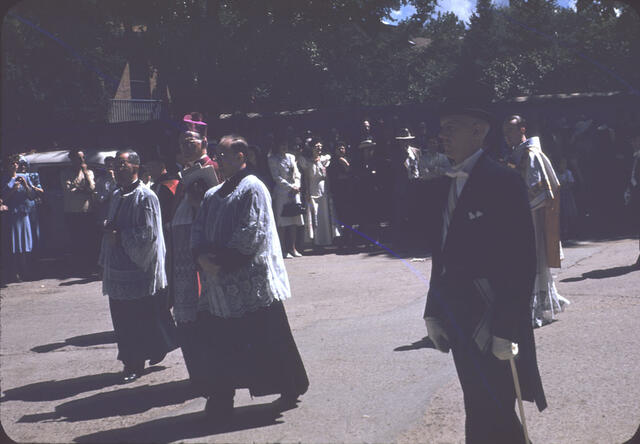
(287, 203)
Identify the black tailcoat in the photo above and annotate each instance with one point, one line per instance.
(491, 245)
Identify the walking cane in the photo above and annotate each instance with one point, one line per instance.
(516, 383)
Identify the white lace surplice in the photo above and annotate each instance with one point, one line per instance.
(134, 266)
(243, 221)
(546, 301)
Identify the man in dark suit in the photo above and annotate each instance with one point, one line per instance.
(483, 270)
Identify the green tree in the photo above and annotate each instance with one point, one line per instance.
(227, 55)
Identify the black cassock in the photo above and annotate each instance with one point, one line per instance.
(255, 351)
(144, 329)
(481, 284)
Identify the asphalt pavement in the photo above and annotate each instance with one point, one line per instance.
(373, 376)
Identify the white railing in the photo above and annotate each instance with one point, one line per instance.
(133, 110)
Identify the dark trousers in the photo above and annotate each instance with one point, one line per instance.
(489, 396)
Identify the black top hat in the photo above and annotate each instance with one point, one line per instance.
(468, 98)
(449, 109)
(405, 134)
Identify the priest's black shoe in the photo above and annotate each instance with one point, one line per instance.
(131, 373)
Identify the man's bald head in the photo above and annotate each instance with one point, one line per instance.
(514, 129)
(232, 154)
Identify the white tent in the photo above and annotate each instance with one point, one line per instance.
(60, 157)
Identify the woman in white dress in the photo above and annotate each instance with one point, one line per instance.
(321, 227)
(286, 190)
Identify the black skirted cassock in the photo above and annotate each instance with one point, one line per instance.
(256, 349)
(190, 343)
(133, 277)
(144, 329)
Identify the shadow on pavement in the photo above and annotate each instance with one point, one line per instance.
(103, 337)
(603, 274)
(315, 251)
(188, 426)
(61, 267)
(371, 251)
(86, 280)
(422, 343)
(580, 242)
(66, 388)
(121, 402)
(411, 255)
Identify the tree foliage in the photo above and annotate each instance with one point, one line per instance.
(62, 60)
(537, 47)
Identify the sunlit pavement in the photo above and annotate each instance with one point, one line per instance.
(357, 321)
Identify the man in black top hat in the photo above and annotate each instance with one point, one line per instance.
(482, 275)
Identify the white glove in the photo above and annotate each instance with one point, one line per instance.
(503, 349)
(437, 334)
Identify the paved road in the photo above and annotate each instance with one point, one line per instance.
(357, 322)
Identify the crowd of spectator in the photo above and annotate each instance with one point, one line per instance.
(342, 188)
(364, 176)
